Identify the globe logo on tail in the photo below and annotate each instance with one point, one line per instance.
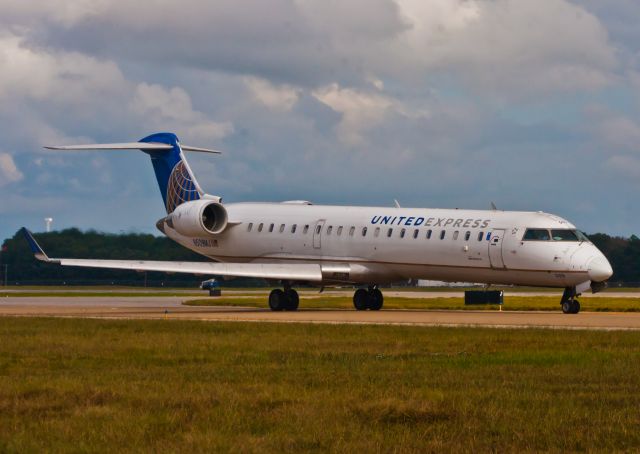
(181, 187)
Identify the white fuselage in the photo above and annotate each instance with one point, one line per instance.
(376, 245)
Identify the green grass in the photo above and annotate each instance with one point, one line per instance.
(98, 385)
(511, 303)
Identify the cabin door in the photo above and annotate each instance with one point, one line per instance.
(495, 248)
(317, 234)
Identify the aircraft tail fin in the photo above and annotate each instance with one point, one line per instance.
(176, 180)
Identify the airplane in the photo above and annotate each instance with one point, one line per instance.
(298, 243)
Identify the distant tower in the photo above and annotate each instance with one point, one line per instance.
(47, 223)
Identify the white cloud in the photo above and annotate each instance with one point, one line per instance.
(360, 111)
(67, 77)
(513, 47)
(171, 109)
(282, 97)
(531, 47)
(9, 172)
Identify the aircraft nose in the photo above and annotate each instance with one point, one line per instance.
(599, 269)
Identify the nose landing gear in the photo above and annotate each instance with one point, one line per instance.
(569, 301)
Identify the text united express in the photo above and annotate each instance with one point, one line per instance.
(430, 222)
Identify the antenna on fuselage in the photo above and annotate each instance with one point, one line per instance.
(494, 207)
(396, 203)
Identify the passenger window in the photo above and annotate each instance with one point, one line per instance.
(339, 230)
(250, 227)
(389, 233)
(306, 229)
(415, 233)
(260, 227)
(376, 232)
(293, 228)
(318, 228)
(480, 235)
(402, 232)
(536, 235)
(455, 235)
(364, 231)
(281, 228)
(488, 235)
(429, 232)
(271, 228)
(467, 236)
(442, 234)
(352, 230)
(329, 230)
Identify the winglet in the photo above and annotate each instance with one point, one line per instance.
(38, 252)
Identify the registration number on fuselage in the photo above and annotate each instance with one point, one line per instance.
(204, 242)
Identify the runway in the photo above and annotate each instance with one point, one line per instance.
(170, 308)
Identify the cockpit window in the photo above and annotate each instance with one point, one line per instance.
(564, 235)
(536, 235)
(556, 235)
(582, 236)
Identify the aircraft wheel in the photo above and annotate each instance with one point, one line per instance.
(375, 299)
(293, 300)
(576, 306)
(277, 300)
(361, 299)
(567, 307)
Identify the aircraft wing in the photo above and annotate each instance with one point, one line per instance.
(297, 272)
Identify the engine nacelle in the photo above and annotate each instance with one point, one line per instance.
(198, 218)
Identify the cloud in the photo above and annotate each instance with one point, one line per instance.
(523, 47)
(171, 110)
(281, 97)
(65, 77)
(360, 111)
(9, 172)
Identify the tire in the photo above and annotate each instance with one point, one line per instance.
(292, 300)
(576, 306)
(361, 299)
(277, 300)
(567, 307)
(375, 299)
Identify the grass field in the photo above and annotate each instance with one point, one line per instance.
(95, 385)
(511, 303)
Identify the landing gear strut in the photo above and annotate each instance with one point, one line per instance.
(368, 299)
(569, 302)
(284, 300)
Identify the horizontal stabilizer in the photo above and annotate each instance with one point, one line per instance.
(144, 146)
(297, 272)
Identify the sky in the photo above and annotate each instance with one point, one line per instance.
(534, 105)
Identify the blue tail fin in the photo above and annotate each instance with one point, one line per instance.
(175, 178)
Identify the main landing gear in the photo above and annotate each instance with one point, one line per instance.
(284, 300)
(368, 299)
(569, 302)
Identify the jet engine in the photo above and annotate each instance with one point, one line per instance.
(198, 218)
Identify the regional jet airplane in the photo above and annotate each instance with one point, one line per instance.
(296, 242)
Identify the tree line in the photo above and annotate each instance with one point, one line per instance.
(23, 268)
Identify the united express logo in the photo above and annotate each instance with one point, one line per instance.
(430, 222)
(181, 187)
